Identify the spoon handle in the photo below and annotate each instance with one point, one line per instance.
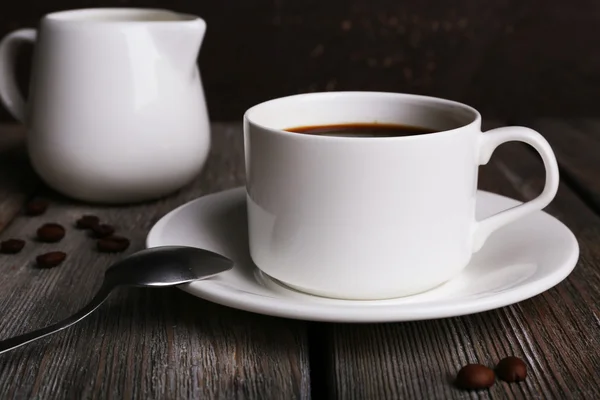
(17, 341)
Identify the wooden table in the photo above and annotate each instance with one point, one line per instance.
(166, 344)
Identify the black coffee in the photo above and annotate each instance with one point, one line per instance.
(361, 130)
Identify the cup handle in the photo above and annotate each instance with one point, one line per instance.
(489, 141)
(9, 91)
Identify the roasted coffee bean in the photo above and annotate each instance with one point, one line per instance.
(112, 244)
(50, 233)
(511, 369)
(12, 246)
(475, 376)
(87, 222)
(102, 230)
(50, 260)
(36, 207)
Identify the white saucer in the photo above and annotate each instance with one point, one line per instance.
(518, 262)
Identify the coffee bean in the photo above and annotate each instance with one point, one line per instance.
(87, 222)
(112, 244)
(36, 207)
(50, 260)
(475, 376)
(12, 246)
(102, 230)
(50, 233)
(511, 369)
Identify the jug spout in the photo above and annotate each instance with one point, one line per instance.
(181, 42)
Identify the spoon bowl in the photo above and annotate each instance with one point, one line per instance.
(166, 266)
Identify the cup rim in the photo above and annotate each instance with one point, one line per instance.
(78, 16)
(475, 120)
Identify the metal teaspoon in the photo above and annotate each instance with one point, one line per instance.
(154, 267)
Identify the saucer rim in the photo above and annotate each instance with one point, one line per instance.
(355, 311)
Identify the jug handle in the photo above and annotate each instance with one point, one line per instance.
(9, 92)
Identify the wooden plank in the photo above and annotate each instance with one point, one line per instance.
(576, 143)
(555, 332)
(144, 343)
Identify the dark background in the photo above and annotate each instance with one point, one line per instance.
(509, 58)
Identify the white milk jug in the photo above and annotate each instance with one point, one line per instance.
(116, 110)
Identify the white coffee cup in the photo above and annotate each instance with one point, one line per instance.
(372, 218)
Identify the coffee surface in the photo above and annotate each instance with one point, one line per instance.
(361, 130)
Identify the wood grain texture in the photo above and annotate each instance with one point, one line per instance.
(576, 143)
(154, 344)
(143, 343)
(510, 58)
(557, 332)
